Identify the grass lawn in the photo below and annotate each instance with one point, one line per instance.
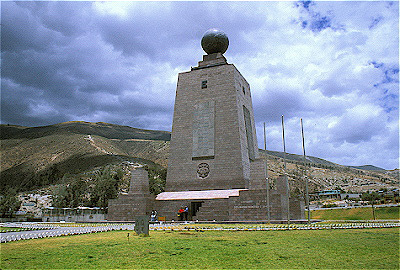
(359, 213)
(334, 249)
(9, 229)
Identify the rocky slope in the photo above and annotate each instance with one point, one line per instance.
(38, 156)
(33, 157)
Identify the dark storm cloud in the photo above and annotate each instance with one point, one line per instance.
(174, 25)
(118, 62)
(53, 70)
(81, 64)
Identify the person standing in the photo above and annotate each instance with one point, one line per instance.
(186, 213)
(153, 216)
(181, 213)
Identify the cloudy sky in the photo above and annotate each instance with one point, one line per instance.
(334, 64)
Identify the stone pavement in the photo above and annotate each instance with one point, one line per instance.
(43, 230)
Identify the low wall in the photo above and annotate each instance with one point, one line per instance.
(75, 218)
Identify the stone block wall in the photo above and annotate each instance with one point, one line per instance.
(128, 207)
(228, 166)
(257, 175)
(137, 202)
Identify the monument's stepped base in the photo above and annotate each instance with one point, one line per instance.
(206, 205)
(249, 205)
(137, 202)
(128, 207)
(252, 205)
(214, 210)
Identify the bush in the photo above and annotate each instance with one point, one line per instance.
(329, 205)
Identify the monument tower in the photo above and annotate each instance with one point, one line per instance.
(213, 137)
(213, 167)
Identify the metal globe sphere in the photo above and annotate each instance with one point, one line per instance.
(214, 41)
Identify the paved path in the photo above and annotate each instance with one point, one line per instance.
(34, 231)
(42, 230)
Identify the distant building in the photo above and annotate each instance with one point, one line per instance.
(326, 194)
(346, 196)
(80, 214)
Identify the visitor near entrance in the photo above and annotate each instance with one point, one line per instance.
(181, 213)
(153, 216)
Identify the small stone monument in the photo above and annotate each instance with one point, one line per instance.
(142, 225)
(138, 201)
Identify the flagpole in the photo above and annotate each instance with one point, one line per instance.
(266, 176)
(305, 175)
(286, 177)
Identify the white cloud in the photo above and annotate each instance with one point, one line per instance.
(334, 64)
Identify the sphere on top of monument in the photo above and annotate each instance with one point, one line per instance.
(214, 41)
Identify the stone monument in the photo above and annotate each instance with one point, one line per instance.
(214, 166)
(213, 136)
(138, 201)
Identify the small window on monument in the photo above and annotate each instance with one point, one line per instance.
(244, 91)
(204, 84)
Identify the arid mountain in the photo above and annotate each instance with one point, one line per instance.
(102, 129)
(33, 157)
(368, 168)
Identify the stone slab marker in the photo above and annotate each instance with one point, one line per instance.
(142, 225)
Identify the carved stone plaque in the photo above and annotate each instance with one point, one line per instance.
(249, 133)
(203, 170)
(203, 130)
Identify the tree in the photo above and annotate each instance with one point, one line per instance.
(371, 198)
(157, 179)
(9, 203)
(106, 187)
(72, 194)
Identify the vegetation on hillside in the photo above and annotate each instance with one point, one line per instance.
(37, 157)
(102, 129)
(34, 158)
(9, 204)
(95, 188)
(92, 191)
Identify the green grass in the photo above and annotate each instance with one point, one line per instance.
(12, 229)
(334, 249)
(359, 213)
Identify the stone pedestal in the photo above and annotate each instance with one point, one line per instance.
(138, 201)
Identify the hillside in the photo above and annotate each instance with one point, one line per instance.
(33, 157)
(368, 168)
(37, 156)
(102, 129)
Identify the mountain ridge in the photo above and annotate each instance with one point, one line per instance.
(37, 156)
(81, 127)
(9, 131)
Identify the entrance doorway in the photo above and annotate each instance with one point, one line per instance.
(194, 208)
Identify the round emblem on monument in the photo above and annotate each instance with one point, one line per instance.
(203, 170)
(214, 41)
